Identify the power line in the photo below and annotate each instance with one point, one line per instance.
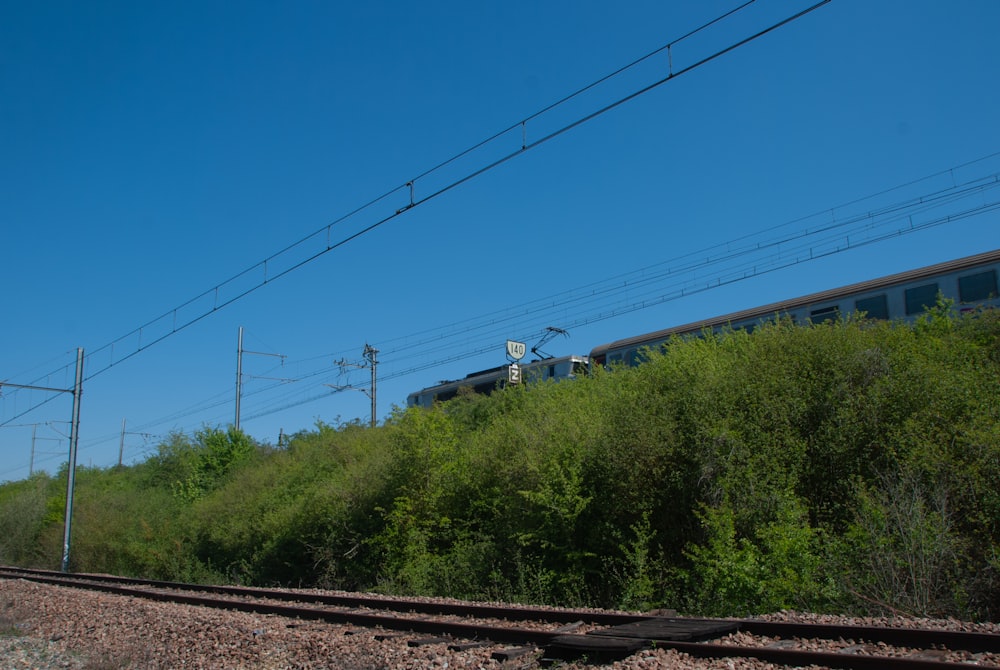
(598, 301)
(736, 260)
(598, 292)
(867, 222)
(103, 358)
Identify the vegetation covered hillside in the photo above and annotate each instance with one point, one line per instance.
(846, 467)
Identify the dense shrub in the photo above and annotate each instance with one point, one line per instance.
(848, 466)
(24, 508)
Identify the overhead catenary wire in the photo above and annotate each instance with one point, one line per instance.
(598, 301)
(796, 248)
(138, 340)
(478, 345)
(738, 259)
(661, 282)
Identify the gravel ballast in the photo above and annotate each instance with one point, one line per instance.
(46, 627)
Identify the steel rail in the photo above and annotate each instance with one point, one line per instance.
(597, 645)
(898, 637)
(357, 618)
(797, 658)
(484, 610)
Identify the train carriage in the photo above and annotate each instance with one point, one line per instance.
(969, 282)
(486, 381)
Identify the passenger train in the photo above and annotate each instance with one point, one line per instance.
(486, 381)
(969, 282)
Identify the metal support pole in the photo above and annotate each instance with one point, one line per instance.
(239, 373)
(74, 436)
(370, 353)
(121, 444)
(31, 463)
(239, 376)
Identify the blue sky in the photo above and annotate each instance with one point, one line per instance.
(154, 155)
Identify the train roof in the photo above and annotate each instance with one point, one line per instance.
(813, 298)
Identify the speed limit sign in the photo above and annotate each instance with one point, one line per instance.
(516, 350)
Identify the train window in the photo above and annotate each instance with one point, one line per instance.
(875, 307)
(977, 287)
(824, 314)
(921, 298)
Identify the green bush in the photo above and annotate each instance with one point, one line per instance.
(23, 515)
(848, 466)
(779, 567)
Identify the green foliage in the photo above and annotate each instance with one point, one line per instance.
(132, 532)
(640, 572)
(904, 546)
(194, 467)
(779, 567)
(24, 512)
(301, 511)
(847, 466)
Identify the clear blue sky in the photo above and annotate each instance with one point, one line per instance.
(150, 152)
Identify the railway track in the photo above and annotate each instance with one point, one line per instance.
(565, 635)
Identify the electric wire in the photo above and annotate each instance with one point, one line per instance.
(754, 267)
(601, 303)
(262, 266)
(734, 274)
(598, 297)
(619, 284)
(687, 261)
(798, 248)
